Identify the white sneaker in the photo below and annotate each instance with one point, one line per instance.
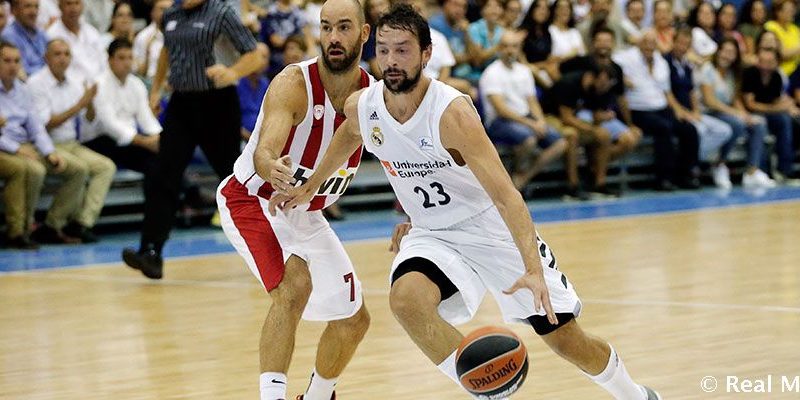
(757, 179)
(722, 177)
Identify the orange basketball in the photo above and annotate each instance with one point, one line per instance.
(492, 362)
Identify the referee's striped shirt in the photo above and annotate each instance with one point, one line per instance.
(189, 37)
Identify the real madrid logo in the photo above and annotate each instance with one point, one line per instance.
(377, 136)
(319, 110)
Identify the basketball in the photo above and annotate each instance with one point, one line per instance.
(491, 363)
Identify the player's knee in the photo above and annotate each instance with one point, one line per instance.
(355, 326)
(407, 300)
(293, 292)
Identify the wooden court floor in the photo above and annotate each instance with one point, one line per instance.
(681, 296)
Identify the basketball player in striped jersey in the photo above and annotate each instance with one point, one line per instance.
(296, 256)
(470, 231)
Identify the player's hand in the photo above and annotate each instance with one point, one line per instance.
(280, 174)
(400, 231)
(300, 195)
(221, 75)
(277, 201)
(541, 296)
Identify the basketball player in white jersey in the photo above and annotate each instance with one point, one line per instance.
(470, 229)
(296, 256)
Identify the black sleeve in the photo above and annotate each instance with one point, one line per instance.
(619, 87)
(566, 93)
(750, 80)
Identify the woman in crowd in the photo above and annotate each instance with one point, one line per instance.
(663, 23)
(538, 44)
(121, 25)
(782, 25)
(702, 19)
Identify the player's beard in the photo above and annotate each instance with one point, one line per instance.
(403, 85)
(345, 63)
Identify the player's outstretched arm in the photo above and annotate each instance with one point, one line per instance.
(462, 131)
(283, 106)
(345, 141)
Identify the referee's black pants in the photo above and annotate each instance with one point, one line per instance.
(209, 119)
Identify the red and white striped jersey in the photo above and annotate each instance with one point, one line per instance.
(306, 145)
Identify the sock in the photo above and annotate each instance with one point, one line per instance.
(273, 386)
(319, 388)
(615, 380)
(448, 367)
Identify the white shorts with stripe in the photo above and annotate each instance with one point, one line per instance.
(479, 255)
(266, 243)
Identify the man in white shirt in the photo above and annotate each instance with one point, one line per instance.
(126, 129)
(60, 103)
(148, 43)
(88, 56)
(649, 94)
(514, 117)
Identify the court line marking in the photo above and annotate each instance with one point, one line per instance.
(384, 292)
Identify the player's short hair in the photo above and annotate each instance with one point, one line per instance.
(117, 45)
(404, 17)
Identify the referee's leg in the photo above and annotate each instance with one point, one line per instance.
(219, 134)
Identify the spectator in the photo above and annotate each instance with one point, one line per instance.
(4, 10)
(26, 155)
(453, 24)
(713, 133)
(794, 86)
(663, 20)
(726, 27)
(567, 41)
(600, 17)
(751, 23)
(88, 58)
(512, 14)
(782, 25)
(49, 13)
(148, 43)
(126, 130)
(483, 41)
(251, 90)
(601, 51)
(648, 10)
(121, 25)
(373, 9)
(60, 103)
(97, 13)
(515, 118)
(648, 97)
(702, 19)
(284, 19)
(762, 92)
(23, 33)
(633, 23)
(538, 43)
(719, 87)
(295, 50)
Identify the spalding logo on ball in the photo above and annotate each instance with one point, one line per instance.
(491, 363)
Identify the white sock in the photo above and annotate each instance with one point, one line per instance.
(319, 388)
(615, 380)
(448, 367)
(273, 386)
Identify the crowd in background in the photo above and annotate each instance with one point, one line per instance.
(552, 81)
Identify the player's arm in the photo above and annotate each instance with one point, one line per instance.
(283, 106)
(345, 141)
(461, 130)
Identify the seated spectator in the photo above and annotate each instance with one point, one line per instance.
(514, 117)
(567, 41)
(719, 86)
(649, 89)
(726, 27)
(702, 20)
(453, 24)
(148, 43)
(794, 86)
(613, 103)
(762, 92)
(23, 33)
(373, 10)
(251, 89)
(60, 103)
(752, 18)
(26, 155)
(88, 58)
(483, 40)
(512, 14)
(126, 130)
(295, 50)
(663, 25)
(538, 44)
(685, 101)
(97, 13)
(633, 23)
(284, 19)
(600, 17)
(121, 25)
(788, 33)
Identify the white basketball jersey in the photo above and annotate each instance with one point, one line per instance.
(306, 145)
(434, 191)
